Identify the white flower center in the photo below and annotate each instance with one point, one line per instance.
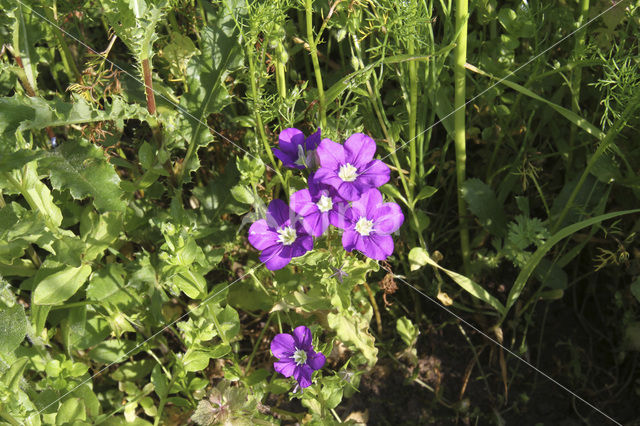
(325, 204)
(287, 235)
(364, 226)
(302, 159)
(300, 356)
(347, 173)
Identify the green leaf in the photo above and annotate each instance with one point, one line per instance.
(536, 257)
(484, 204)
(393, 192)
(113, 350)
(418, 257)
(11, 377)
(421, 257)
(408, 332)
(206, 73)
(242, 194)
(353, 330)
(196, 360)
(70, 410)
(160, 382)
(83, 169)
(25, 35)
(426, 192)
(60, 286)
(13, 326)
(16, 160)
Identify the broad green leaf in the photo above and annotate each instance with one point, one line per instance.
(536, 257)
(408, 332)
(113, 350)
(36, 193)
(418, 257)
(13, 326)
(353, 330)
(242, 194)
(60, 286)
(160, 382)
(421, 257)
(99, 231)
(483, 203)
(71, 410)
(83, 169)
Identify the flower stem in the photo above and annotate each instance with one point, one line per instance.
(314, 60)
(374, 305)
(460, 58)
(258, 341)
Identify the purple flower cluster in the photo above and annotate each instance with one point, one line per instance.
(342, 192)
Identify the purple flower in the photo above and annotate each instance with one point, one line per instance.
(369, 223)
(280, 236)
(351, 169)
(296, 355)
(319, 206)
(295, 151)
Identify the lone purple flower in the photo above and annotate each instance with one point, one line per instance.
(369, 223)
(296, 355)
(280, 236)
(351, 169)
(295, 151)
(319, 206)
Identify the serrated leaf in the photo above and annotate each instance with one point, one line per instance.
(220, 52)
(58, 287)
(83, 169)
(484, 204)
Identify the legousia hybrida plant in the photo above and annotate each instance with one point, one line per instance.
(342, 192)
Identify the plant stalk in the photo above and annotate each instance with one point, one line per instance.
(413, 114)
(460, 58)
(576, 79)
(148, 87)
(316, 64)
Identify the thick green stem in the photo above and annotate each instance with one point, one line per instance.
(460, 58)
(314, 60)
(280, 69)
